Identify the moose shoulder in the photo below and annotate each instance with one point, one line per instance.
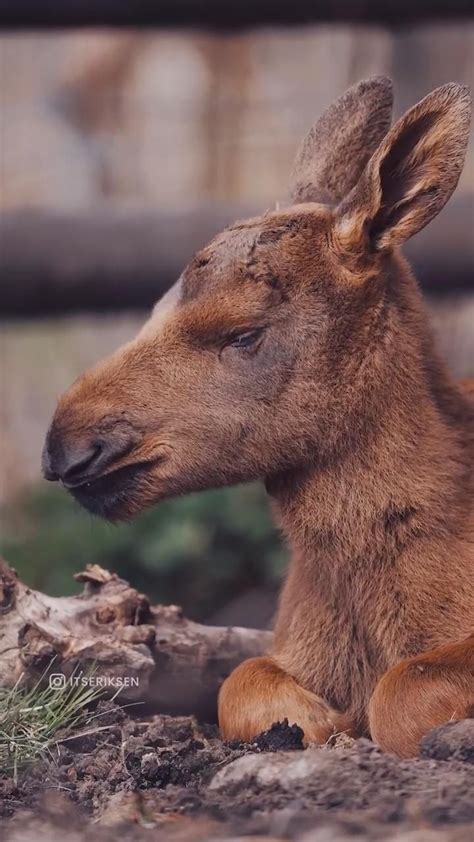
(295, 348)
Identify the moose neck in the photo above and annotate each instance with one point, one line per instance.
(363, 527)
(401, 477)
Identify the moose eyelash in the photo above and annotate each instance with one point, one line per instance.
(246, 339)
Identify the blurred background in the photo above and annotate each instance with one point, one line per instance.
(130, 133)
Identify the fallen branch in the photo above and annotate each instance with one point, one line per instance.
(110, 636)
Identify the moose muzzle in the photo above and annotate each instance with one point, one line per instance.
(76, 462)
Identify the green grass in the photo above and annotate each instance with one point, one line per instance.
(31, 720)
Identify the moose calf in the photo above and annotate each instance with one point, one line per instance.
(295, 348)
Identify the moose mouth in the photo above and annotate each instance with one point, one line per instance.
(116, 495)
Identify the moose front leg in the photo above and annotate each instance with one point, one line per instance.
(420, 693)
(258, 693)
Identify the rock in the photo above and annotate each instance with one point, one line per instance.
(279, 768)
(334, 831)
(420, 791)
(452, 741)
(121, 807)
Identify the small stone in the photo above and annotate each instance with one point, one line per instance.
(451, 741)
(150, 765)
(280, 768)
(121, 807)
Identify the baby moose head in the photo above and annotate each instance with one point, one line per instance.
(273, 350)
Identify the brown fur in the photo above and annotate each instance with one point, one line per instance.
(271, 695)
(339, 401)
(345, 137)
(422, 692)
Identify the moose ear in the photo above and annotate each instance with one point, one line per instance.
(411, 175)
(337, 148)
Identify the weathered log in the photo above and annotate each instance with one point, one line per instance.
(110, 637)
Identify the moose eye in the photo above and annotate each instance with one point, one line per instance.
(246, 340)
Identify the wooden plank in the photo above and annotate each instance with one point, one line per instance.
(116, 260)
(53, 13)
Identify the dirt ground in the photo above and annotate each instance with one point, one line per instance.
(172, 779)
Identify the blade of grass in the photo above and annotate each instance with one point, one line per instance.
(31, 720)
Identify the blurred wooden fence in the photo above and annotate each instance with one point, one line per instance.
(124, 151)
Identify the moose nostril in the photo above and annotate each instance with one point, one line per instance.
(66, 462)
(78, 461)
(75, 463)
